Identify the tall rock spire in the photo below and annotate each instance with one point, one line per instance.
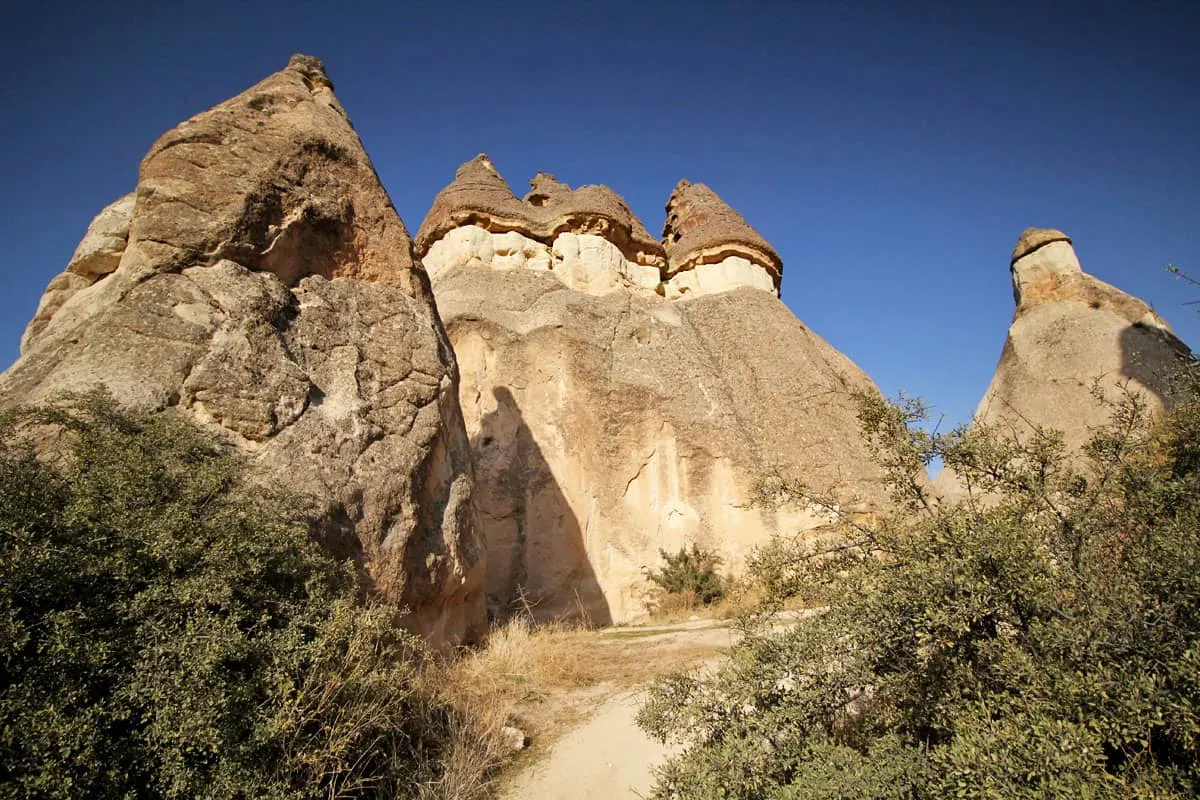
(1072, 336)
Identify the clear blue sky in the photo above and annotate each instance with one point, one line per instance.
(891, 152)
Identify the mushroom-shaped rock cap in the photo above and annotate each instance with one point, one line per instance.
(701, 227)
(1035, 238)
(480, 196)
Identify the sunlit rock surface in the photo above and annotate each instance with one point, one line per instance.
(260, 282)
(613, 413)
(1076, 345)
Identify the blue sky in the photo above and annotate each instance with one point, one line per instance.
(891, 152)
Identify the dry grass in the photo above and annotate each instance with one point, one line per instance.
(668, 608)
(542, 680)
(511, 681)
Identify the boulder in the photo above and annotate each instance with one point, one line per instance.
(261, 283)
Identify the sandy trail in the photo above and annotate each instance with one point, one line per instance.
(607, 756)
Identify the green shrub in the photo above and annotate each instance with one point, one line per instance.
(692, 572)
(1039, 638)
(167, 630)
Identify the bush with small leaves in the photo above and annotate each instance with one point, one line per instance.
(168, 629)
(692, 572)
(1038, 638)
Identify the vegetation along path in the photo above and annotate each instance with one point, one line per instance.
(604, 754)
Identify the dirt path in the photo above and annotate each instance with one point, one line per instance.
(607, 756)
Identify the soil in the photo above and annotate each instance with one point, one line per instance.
(605, 755)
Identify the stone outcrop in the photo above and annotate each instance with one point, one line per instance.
(711, 248)
(260, 281)
(1073, 337)
(96, 256)
(609, 424)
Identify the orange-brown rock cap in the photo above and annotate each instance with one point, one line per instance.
(1035, 238)
(480, 196)
(702, 228)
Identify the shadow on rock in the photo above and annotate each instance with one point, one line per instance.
(537, 560)
(1154, 357)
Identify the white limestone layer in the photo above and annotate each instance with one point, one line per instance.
(721, 276)
(589, 263)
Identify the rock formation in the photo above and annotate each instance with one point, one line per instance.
(260, 281)
(590, 240)
(1073, 337)
(587, 236)
(621, 396)
(711, 248)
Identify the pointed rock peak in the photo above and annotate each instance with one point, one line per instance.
(701, 228)
(479, 181)
(478, 167)
(258, 255)
(1036, 238)
(274, 179)
(478, 195)
(311, 69)
(543, 187)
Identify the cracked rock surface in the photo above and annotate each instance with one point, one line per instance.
(260, 281)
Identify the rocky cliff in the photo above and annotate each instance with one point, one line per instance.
(590, 394)
(260, 281)
(625, 395)
(1076, 344)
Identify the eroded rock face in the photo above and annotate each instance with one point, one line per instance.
(98, 254)
(1072, 336)
(261, 282)
(609, 421)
